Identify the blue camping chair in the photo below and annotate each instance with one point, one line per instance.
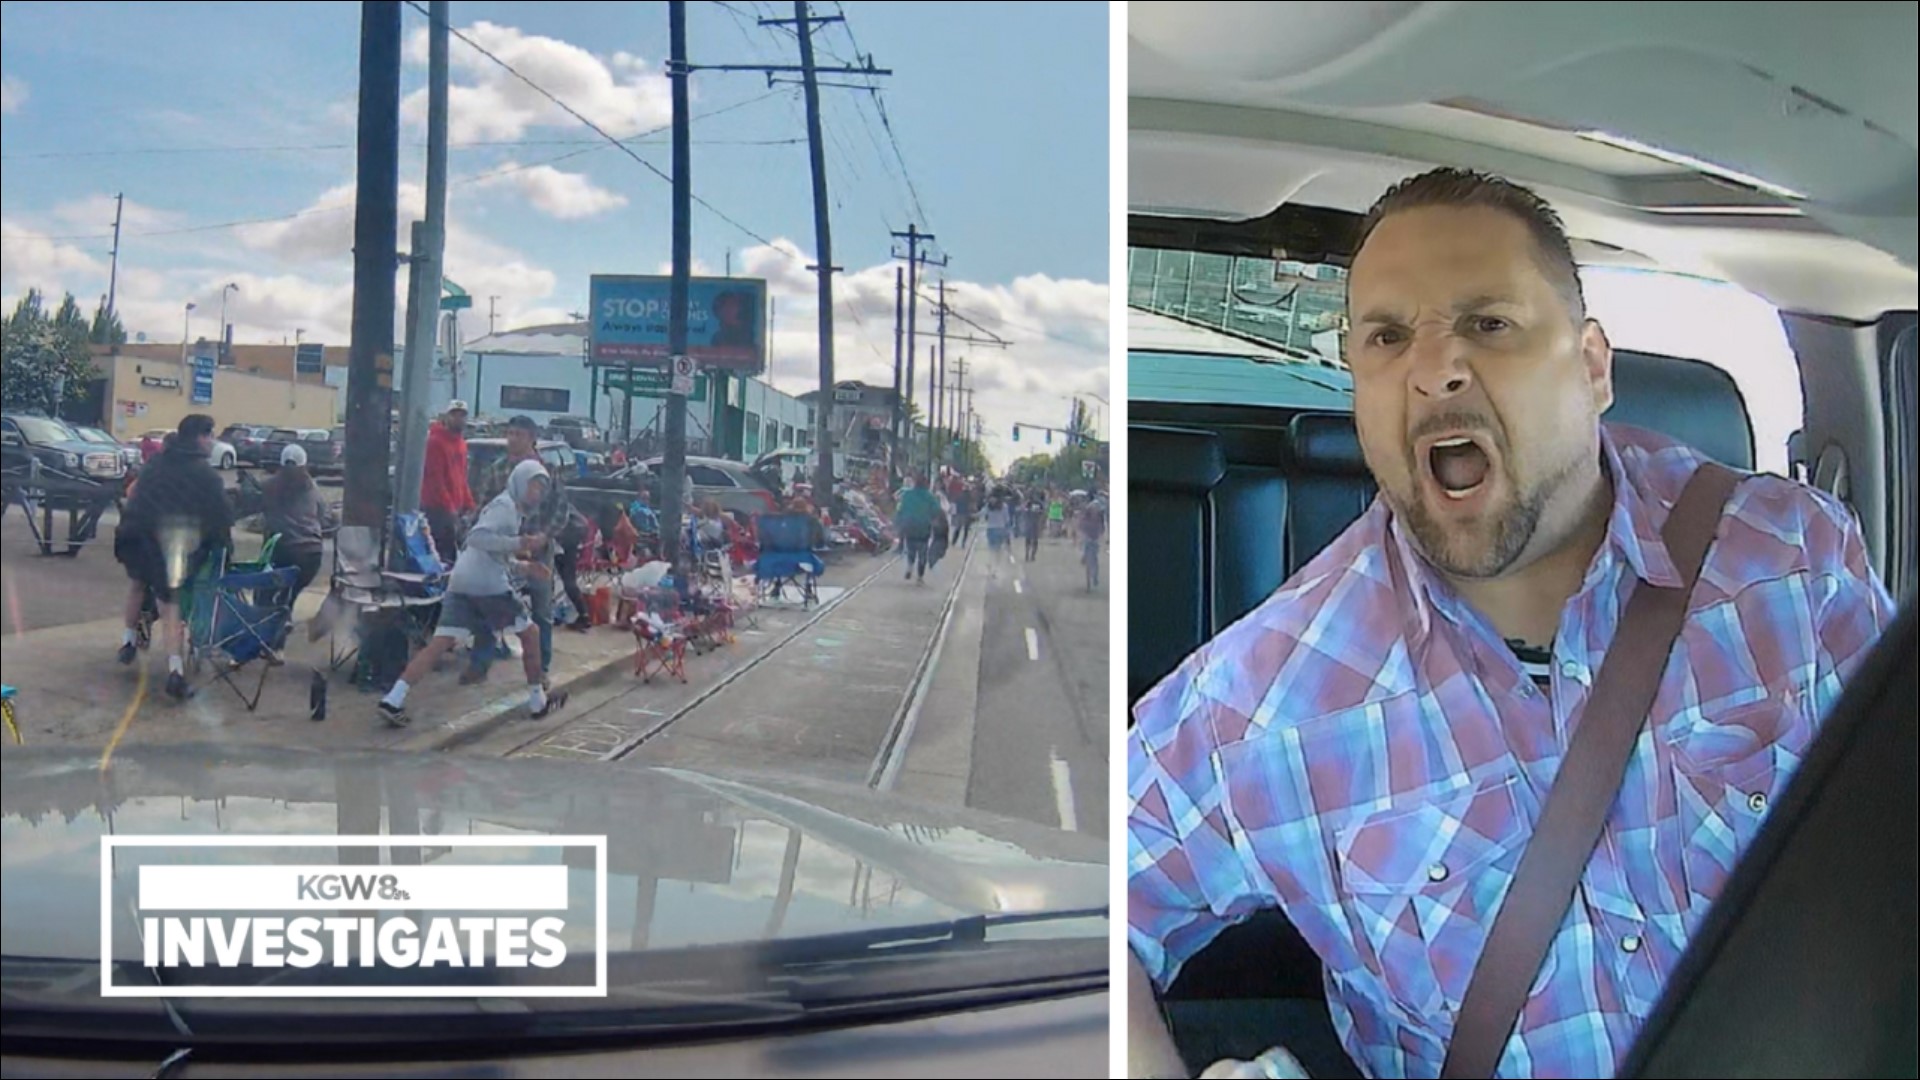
(239, 615)
(787, 558)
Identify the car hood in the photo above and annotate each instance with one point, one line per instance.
(713, 859)
(80, 446)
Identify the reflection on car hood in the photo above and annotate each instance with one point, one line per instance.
(693, 859)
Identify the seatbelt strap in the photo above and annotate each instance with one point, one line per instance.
(1585, 788)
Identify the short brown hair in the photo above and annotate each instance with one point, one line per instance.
(1467, 188)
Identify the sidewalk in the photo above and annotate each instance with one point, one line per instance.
(71, 691)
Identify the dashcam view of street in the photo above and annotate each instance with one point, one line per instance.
(682, 422)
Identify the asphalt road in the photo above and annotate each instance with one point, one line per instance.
(1042, 735)
(38, 591)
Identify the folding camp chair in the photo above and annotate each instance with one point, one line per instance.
(239, 614)
(787, 558)
(660, 647)
(408, 599)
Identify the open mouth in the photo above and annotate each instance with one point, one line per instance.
(1459, 465)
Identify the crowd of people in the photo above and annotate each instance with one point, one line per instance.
(514, 539)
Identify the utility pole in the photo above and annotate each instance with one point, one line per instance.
(423, 275)
(899, 334)
(113, 270)
(957, 420)
(673, 484)
(492, 313)
(903, 420)
(375, 264)
(823, 242)
(809, 71)
(937, 389)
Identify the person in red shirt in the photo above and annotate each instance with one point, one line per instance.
(444, 494)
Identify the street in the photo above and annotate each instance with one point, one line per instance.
(984, 685)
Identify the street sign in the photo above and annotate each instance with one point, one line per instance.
(726, 321)
(684, 370)
(1089, 468)
(309, 358)
(203, 365)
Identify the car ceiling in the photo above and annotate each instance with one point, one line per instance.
(1238, 108)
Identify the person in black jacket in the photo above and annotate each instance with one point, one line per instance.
(177, 517)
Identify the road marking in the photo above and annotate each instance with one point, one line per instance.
(1016, 586)
(1063, 794)
(1033, 644)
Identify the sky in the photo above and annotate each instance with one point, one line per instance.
(229, 128)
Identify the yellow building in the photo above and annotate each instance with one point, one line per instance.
(147, 388)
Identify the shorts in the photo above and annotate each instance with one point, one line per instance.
(463, 617)
(146, 563)
(996, 538)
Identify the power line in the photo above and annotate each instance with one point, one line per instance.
(880, 104)
(321, 147)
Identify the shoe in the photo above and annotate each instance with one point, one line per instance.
(176, 686)
(128, 653)
(582, 624)
(554, 701)
(395, 715)
(471, 677)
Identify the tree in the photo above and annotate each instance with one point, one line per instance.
(106, 328)
(44, 362)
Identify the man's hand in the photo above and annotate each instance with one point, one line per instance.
(533, 542)
(1273, 1063)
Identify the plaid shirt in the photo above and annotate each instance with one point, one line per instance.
(550, 517)
(1364, 752)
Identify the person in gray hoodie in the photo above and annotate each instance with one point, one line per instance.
(480, 599)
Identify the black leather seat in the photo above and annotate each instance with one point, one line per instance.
(1170, 537)
(1688, 400)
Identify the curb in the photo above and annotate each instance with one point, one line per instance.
(477, 724)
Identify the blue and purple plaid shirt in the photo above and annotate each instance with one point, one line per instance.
(1365, 752)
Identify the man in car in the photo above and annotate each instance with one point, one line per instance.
(1370, 748)
(444, 495)
(177, 518)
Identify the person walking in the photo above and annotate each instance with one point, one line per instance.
(177, 518)
(1032, 521)
(914, 521)
(293, 509)
(480, 600)
(444, 495)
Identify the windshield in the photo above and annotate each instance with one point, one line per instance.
(776, 714)
(39, 429)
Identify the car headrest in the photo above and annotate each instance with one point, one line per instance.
(1326, 444)
(1175, 459)
(1687, 400)
(1693, 402)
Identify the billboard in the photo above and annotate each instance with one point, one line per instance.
(726, 322)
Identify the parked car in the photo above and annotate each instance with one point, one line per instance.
(577, 432)
(738, 489)
(59, 447)
(130, 456)
(249, 441)
(326, 449)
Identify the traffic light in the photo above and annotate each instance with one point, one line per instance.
(1016, 433)
(1049, 436)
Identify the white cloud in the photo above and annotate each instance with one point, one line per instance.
(623, 94)
(94, 213)
(563, 195)
(33, 260)
(1056, 329)
(13, 94)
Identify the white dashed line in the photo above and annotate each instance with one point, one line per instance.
(1063, 794)
(1016, 586)
(1033, 644)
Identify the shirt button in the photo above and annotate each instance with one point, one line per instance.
(1757, 802)
(1630, 943)
(1437, 872)
(1570, 669)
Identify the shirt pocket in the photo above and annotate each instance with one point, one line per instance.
(1424, 883)
(1727, 772)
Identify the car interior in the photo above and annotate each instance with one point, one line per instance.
(1771, 147)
